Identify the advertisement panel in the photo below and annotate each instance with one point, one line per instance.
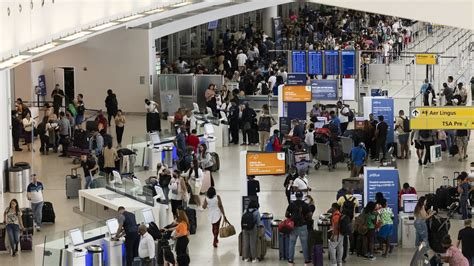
(324, 89)
(384, 106)
(297, 94)
(265, 163)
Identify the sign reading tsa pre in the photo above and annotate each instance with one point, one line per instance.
(446, 117)
(265, 163)
(426, 59)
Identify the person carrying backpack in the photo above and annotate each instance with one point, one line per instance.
(349, 204)
(336, 241)
(250, 223)
(402, 127)
(265, 122)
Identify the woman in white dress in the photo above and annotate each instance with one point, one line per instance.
(213, 202)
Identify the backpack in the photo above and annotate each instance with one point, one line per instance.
(248, 221)
(425, 134)
(360, 224)
(350, 116)
(265, 123)
(264, 89)
(406, 125)
(348, 206)
(269, 145)
(345, 225)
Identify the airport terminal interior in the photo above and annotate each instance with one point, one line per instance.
(318, 70)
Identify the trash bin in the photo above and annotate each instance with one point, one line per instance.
(26, 173)
(168, 156)
(324, 224)
(15, 179)
(96, 254)
(274, 242)
(267, 219)
(127, 161)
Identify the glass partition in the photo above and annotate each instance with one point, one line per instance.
(53, 245)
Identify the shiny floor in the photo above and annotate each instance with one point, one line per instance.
(52, 169)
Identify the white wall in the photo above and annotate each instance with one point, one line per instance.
(114, 60)
(25, 29)
(5, 135)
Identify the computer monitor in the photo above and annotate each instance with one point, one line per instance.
(76, 237)
(408, 197)
(208, 129)
(112, 225)
(409, 206)
(154, 138)
(148, 216)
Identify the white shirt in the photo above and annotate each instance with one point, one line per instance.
(301, 183)
(343, 118)
(152, 107)
(193, 175)
(271, 82)
(146, 248)
(241, 59)
(28, 124)
(192, 123)
(309, 138)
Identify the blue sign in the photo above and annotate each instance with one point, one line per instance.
(375, 92)
(324, 89)
(296, 79)
(298, 61)
(383, 180)
(348, 62)
(212, 25)
(315, 63)
(42, 84)
(296, 110)
(384, 106)
(331, 60)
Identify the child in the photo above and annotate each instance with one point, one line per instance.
(386, 229)
(453, 255)
(369, 239)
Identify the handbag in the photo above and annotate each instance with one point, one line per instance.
(226, 229)
(286, 226)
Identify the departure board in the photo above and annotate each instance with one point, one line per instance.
(331, 60)
(348, 59)
(315, 63)
(299, 61)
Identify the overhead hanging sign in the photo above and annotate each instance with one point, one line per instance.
(265, 163)
(426, 59)
(299, 61)
(446, 117)
(324, 89)
(297, 93)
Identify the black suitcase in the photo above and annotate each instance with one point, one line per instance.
(48, 213)
(80, 139)
(27, 218)
(154, 231)
(160, 248)
(92, 125)
(283, 245)
(153, 122)
(453, 150)
(191, 213)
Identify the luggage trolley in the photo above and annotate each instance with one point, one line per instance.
(324, 156)
(347, 145)
(301, 160)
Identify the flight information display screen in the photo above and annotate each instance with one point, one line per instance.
(315, 63)
(331, 61)
(299, 61)
(348, 62)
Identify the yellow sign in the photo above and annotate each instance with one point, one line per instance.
(426, 59)
(297, 94)
(445, 117)
(266, 163)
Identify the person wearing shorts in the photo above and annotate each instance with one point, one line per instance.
(403, 134)
(194, 177)
(420, 148)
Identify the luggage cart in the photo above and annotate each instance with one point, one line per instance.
(301, 160)
(324, 156)
(347, 145)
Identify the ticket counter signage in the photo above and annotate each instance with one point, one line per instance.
(265, 163)
(426, 59)
(445, 117)
(297, 94)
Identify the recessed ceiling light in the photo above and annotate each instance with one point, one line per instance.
(15, 60)
(76, 36)
(130, 18)
(181, 4)
(104, 26)
(43, 48)
(154, 11)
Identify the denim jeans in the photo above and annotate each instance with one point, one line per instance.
(302, 233)
(463, 208)
(88, 182)
(421, 232)
(37, 212)
(336, 250)
(13, 231)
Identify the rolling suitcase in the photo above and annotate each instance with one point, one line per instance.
(3, 233)
(261, 244)
(80, 139)
(206, 182)
(317, 255)
(27, 217)
(26, 242)
(160, 246)
(48, 213)
(73, 184)
(92, 125)
(217, 164)
(191, 213)
(283, 245)
(153, 122)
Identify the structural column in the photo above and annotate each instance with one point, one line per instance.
(268, 14)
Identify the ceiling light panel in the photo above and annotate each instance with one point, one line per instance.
(76, 36)
(154, 11)
(43, 48)
(14, 60)
(104, 26)
(130, 18)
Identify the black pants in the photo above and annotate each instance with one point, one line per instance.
(132, 240)
(16, 141)
(110, 114)
(56, 107)
(64, 141)
(344, 127)
(44, 143)
(345, 245)
(427, 145)
(119, 133)
(174, 206)
(234, 133)
(246, 134)
(182, 246)
(381, 145)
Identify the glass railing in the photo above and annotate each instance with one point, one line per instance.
(53, 245)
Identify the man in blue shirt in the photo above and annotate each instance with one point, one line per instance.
(180, 142)
(358, 155)
(35, 195)
(335, 121)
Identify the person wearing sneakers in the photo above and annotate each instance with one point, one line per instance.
(35, 195)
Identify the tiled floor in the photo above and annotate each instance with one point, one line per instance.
(51, 171)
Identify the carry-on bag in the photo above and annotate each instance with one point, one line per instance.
(73, 184)
(48, 215)
(27, 217)
(26, 242)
